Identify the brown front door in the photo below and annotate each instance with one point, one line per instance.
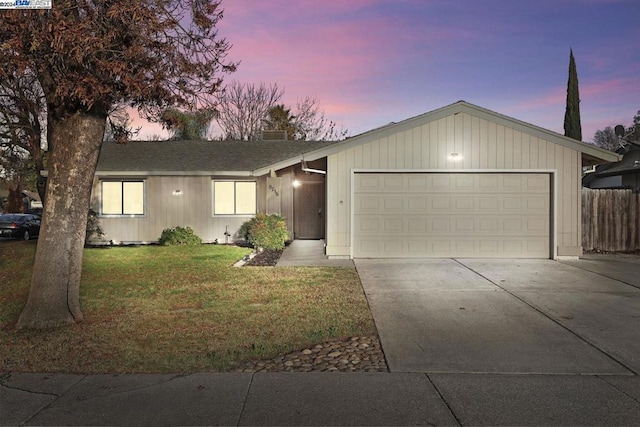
(309, 215)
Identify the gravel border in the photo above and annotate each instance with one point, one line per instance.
(355, 354)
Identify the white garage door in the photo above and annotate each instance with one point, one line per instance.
(483, 215)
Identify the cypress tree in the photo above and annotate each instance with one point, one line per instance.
(572, 127)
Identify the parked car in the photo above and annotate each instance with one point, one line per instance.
(19, 226)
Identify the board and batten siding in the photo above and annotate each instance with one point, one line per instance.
(482, 144)
(163, 209)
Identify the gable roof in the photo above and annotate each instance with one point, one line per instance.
(256, 158)
(590, 153)
(232, 158)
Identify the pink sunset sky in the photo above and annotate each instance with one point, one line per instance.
(372, 62)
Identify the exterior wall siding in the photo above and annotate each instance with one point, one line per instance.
(482, 144)
(164, 210)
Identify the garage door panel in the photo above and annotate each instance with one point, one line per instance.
(451, 204)
(431, 225)
(465, 247)
(452, 214)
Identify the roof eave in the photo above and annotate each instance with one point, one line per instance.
(172, 173)
(591, 154)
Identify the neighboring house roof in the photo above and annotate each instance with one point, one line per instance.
(590, 153)
(199, 157)
(32, 195)
(630, 162)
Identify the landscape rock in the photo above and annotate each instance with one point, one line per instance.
(355, 354)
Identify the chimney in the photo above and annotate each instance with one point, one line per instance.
(274, 135)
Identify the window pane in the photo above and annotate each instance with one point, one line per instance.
(111, 198)
(245, 198)
(223, 198)
(133, 198)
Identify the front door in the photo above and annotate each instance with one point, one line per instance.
(309, 215)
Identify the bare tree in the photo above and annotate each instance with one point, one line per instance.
(606, 139)
(243, 107)
(246, 109)
(88, 57)
(16, 170)
(23, 126)
(312, 125)
(119, 126)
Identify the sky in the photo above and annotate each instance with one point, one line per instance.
(372, 62)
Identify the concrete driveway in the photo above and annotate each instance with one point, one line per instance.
(506, 316)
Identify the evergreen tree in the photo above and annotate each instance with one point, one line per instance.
(572, 127)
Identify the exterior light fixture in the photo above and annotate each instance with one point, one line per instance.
(177, 193)
(296, 184)
(454, 157)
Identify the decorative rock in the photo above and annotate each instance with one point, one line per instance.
(354, 354)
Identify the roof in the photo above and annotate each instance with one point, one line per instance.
(256, 158)
(630, 163)
(590, 153)
(199, 157)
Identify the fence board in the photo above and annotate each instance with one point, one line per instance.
(610, 220)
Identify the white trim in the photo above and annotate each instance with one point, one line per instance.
(553, 238)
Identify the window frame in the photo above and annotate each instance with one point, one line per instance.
(122, 183)
(235, 198)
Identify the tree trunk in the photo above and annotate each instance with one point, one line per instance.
(54, 296)
(15, 204)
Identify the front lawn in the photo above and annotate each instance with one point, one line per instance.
(177, 310)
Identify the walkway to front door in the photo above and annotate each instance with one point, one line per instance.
(309, 253)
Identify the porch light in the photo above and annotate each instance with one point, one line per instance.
(296, 183)
(177, 193)
(454, 157)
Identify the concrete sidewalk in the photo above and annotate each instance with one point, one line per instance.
(319, 399)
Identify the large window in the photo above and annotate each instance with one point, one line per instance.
(234, 197)
(122, 198)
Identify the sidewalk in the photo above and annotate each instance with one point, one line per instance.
(319, 399)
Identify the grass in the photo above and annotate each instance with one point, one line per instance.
(175, 309)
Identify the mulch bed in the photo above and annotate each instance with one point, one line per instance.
(266, 258)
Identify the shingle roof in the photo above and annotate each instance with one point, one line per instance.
(199, 156)
(630, 163)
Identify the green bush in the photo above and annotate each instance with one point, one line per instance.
(94, 228)
(265, 231)
(179, 236)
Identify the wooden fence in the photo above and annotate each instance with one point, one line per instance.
(610, 220)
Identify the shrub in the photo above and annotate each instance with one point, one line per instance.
(179, 236)
(94, 228)
(266, 231)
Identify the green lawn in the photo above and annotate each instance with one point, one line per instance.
(178, 309)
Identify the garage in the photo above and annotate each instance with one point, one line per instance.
(460, 181)
(447, 214)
